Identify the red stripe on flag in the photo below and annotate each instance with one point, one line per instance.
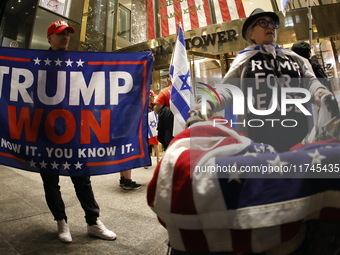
(178, 14)
(194, 240)
(224, 10)
(102, 63)
(151, 194)
(11, 156)
(193, 14)
(151, 20)
(289, 230)
(240, 9)
(241, 241)
(15, 59)
(207, 12)
(329, 213)
(164, 17)
(182, 201)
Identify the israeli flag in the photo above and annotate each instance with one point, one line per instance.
(284, 5)
(181, 90)
(152, 120)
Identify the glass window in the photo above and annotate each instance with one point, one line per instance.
(124, 22)
(58, 6)
(289, 21)
(17, 22)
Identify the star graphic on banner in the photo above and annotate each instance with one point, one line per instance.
(234, 176)
(153, 124)
(54, 165)
(66, 165)
(184, 79)
(37, 61)
(58, 62)
(78, 165)
(317, 158)
(32, 163)
(277, 162)
(43, 164)
(80, 63)
(47, 62)
(69, 63)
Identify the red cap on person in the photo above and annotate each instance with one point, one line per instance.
(58, 26)
(152, 94)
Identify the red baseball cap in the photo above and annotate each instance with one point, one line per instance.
(58, 26)
(152, 94)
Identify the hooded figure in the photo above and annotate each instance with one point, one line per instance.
(303, 49)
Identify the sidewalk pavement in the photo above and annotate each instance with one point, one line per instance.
(28, 227)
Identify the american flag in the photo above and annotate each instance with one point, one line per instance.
(205, 210)
(190, 14)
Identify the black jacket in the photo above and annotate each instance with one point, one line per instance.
(165, 126)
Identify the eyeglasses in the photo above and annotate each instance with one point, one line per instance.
(265, 23)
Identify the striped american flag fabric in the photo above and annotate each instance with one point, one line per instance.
(212, 211)
(190, 14)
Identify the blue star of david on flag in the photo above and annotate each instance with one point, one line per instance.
(184, 79)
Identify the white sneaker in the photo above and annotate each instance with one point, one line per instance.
(64, 234)
(99, 230)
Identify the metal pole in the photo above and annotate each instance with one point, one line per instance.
(193, 78)
(115, 26)
(310, 19)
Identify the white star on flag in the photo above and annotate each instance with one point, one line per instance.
(277, 162)
(80, 63)
(234, 176)
(43, 164)
(317, 158)
(58, 62)
(32, 163)
(66, 166)
(69, 62)
(54, 165)
(37, 61)
(181, 90)
(250, 154)
(271, 149)
(78, 165)
(48, 62)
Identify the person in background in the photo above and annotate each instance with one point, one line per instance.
(58, 35)
(126, 182)
(303, 49)
(152, 121)
(262, 67)
(165, 116)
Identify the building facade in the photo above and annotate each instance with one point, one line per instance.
(123, 25)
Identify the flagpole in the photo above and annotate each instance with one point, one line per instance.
(310, 19)
(193, 76)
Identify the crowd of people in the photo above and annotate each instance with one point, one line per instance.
(260, 67)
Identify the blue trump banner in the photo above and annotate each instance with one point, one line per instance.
(74, 113)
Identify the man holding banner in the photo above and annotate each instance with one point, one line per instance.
(58, 35)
